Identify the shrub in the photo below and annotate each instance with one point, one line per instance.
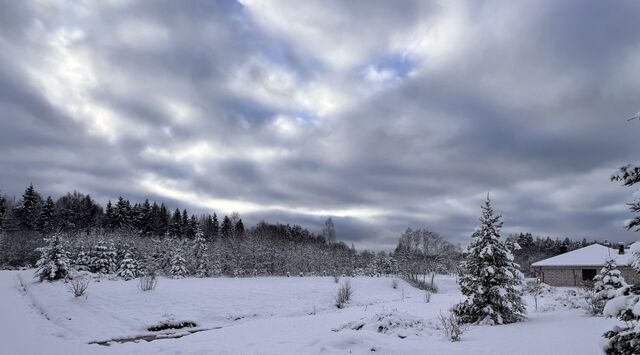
(451, 326)
(78, 286)
(147, 283)
(344, 294)
(594, 303)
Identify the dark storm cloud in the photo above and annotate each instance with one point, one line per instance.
(383, 115)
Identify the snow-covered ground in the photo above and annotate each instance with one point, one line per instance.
(274, 315)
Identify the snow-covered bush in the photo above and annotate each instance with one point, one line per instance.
(490, 278)
(394, 322)
(54, 261)
(103, 260)
(604, 287)
(148, 283)
(451, 325)
(344, 294)
(624, 338)
(200, 256)
(81, 261)
(178, 265)
(78, 285)
(128, 269)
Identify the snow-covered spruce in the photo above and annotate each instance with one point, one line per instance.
(624, 338)
(490, 279)
(178, 265)
(128, 269)
(103, 260)
(606, 283)
(200, 256)
(54, 261)
(82, 261)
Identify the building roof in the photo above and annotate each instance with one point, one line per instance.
(592, 255)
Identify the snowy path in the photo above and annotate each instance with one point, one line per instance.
(266, 316)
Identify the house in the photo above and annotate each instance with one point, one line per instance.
(578, 267)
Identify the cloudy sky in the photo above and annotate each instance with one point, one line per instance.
(382, 114)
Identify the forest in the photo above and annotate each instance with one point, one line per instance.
(159, 240)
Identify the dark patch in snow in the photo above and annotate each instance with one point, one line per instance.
(169, 325)
(151, 337)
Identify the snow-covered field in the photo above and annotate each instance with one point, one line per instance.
(273, 315)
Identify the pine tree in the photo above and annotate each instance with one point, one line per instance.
(178, 265)
(54, 261)
(184, 225)
(200, 256)
(609, 279)
(122, 214)
(82, 261)
(215, 227)
(104, 259)
(192, 227)
(490, 278)
(109, 222)
(606, 283)
(163, 220)
(175, 230)
(128, 268)
(625, 338)
(144, 219)
(28, 210)
(226, 230)
(239, 228)
(46, 220)
(3, 211)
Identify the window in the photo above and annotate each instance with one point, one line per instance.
(588, 274)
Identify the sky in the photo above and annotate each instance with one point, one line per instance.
(381, 114)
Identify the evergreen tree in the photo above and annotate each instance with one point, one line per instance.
(145, 219)
(200, 256)
(178, 265)
(625, 338)
(162, 221)
(184, 225)
(606, 283)
(239, 228)
(215, 227)
(192, 227)
(128, 268)
(3, 210)
(54, 261)
(109, 222)
(122, 214)
(29, 208)
(82, 261)
(226, 230)
(104, 258)
(490, 278)
(175, 230)
(46, 220)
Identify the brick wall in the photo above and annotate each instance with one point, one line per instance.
(569, 276)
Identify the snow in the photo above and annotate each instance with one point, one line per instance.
(592, 255)
(275, 315)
